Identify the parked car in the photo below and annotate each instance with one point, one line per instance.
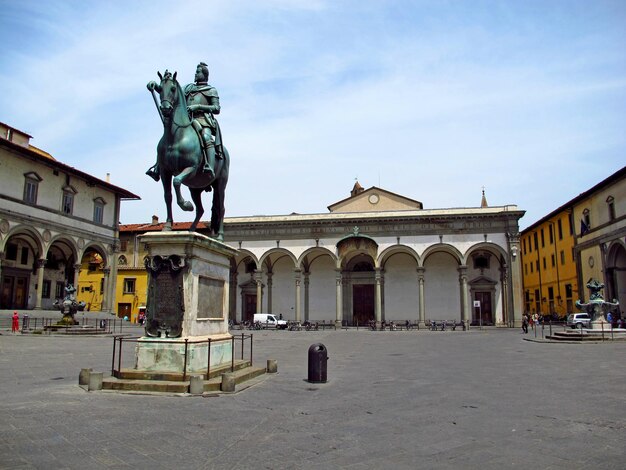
(269, 320)
(579, 320)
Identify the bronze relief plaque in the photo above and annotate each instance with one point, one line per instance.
(210, 297)
(166, 304)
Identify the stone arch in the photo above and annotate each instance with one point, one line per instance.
(280, 277)
(34, 237)
(400, 286)
(316, 250)
(443, 247)
(394, 250)
(486, 276)
(22, 272)
(274, 254)
(442, 293)
(318, 271)
(616, 273)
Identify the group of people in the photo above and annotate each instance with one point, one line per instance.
(531, 320)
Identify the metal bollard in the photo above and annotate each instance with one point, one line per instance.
(318, 358)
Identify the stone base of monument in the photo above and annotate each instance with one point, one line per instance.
(192, 355)
(186, 317)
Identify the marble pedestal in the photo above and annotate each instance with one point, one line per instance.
(187, 305)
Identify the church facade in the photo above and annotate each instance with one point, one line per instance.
(375, 256)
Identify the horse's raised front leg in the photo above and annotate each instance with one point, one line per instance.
(180, 179)
(166, 179)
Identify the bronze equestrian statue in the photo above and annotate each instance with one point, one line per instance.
(190, 151)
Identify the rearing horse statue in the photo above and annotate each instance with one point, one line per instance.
(180, 161)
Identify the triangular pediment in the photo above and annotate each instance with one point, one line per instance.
(375, 200)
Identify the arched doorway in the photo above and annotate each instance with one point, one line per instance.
(616, 275)
(360, 272)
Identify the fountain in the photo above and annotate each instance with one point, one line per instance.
(597, 307)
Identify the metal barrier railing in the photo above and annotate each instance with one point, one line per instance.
(121, 339)
(101, 325)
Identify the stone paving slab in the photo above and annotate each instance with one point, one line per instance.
(411, 399)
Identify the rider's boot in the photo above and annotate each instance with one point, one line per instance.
(153, 172)
(209, 164)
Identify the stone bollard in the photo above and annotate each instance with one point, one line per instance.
(83, 377)
(272, 366)
(95, 381)
(228, 382)
(196, 385)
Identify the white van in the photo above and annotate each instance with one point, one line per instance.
(268, 320)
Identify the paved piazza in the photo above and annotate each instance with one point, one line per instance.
(479, 399)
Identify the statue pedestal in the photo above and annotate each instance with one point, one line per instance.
(187, 304)
(600, 323)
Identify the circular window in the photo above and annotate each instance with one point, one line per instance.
(374, 199)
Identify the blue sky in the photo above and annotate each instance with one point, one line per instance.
(429, 99)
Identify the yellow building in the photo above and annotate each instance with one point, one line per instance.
(549, 264)
(582, 239)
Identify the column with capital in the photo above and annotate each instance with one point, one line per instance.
(306, 295)
(339, 299)
(2, 255)
(258, 277)
(77, 267)
(378, 299)
(422, 305)
(297, 276)
(504, 281)
(41, 266)
(464, 296)
(270, 284)
(104, 306)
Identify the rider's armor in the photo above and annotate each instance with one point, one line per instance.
(204, 122)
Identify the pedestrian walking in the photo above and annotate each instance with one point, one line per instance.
(525, 323)
(15, 324)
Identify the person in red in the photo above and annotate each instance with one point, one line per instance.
(15, 325)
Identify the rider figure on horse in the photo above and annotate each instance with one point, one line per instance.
(203, 103)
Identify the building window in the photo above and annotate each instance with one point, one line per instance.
(543, 239)
(524, 246)
(45, 291)
(123, 245)
(531, 268)
(98, 210)
(553, 259)
(24, 257)
(562, 257)
(122, 261)
(101, 286)
(31, 186)
(536, 241)
(67, 203)
(537, 265)
(58, 292)
(587, 218)
(129, 285)
(481, 261)
(560, 229)
(544, 263)
(611, 206)
(11, 254)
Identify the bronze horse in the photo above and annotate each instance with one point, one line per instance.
(179, 155)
